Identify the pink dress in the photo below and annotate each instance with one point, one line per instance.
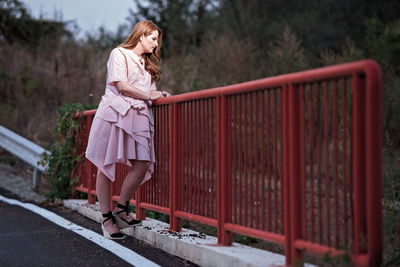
(123, 127)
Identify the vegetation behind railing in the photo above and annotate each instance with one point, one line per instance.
(63, 158)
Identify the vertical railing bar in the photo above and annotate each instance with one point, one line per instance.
(160, 146)
(246, 185)
(240, 99)
(263, 211)
(184, 137)
(199, 156)
(310, 147)
(326, 165)
(168, 165)
(269, 173)
(203, 149)
(166, 161)
(189, 137)
(156, 144)
(192, 157)
(275, 167)
(163, 142)
(159, 133)
(281, 158)
(302, 159)
(207, 158)
(256, 148)
(239, 158)
(234, 165)
(335, 161)
(213, 145)
(155, 175)
(344, 159)
(219, 191)
(251, 149)
(197, 159)
(194, 154)
(227, 173)
(318, 150)
(157, 192)
(187, 158)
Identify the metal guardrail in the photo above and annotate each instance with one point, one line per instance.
(25, 150)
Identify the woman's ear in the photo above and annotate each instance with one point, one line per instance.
(141, 38)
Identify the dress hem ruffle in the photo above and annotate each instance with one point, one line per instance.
(115, 138)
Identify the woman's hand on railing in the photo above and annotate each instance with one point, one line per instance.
(158, 94)
(155, 95)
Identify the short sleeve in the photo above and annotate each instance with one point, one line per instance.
(116, 67)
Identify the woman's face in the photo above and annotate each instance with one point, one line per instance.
(150, 42)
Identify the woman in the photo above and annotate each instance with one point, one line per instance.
(122, 129)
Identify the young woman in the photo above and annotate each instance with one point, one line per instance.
(122, 129)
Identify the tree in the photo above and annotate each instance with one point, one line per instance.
(184, 23)
(16, 25)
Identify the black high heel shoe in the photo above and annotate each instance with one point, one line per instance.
(121, 222)
(106, 234)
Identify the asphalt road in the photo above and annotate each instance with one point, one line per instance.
(28, 239)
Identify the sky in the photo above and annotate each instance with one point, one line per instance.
(89, 15)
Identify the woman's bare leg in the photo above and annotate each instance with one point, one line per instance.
(103, 195)
(131, 183)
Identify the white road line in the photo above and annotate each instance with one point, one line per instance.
(120, 251)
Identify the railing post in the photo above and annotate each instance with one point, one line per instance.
(140, 212)
(295, 158)
(224, 205)
(374, 163)
(358, 152)
(175, 155)
(285, 175)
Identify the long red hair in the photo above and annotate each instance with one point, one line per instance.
(152, 60)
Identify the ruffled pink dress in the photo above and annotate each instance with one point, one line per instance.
(123, 127)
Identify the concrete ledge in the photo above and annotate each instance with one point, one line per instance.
(190, 245)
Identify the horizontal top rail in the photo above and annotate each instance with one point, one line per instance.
(22, 148)
(330, 72)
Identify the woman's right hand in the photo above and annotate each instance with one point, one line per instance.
(155, 95)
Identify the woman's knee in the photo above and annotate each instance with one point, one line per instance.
(138, 164)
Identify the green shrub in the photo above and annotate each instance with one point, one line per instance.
(63, 158)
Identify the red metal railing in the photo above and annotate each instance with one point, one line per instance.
(293, 159)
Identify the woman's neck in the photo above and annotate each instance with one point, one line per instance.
(138, 50)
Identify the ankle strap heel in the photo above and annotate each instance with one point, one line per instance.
(110, 216)
(122, 222)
